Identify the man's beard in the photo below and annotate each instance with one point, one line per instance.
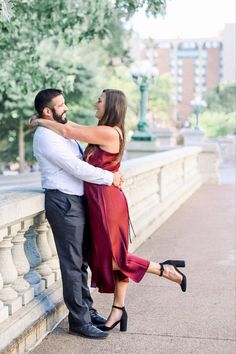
(58, 117)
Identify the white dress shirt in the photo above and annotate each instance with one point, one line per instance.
(61, 165)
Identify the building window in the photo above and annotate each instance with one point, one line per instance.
(164, 45)
(180, 72)
(188, 45)
(180, 80)
(180, 62)
(188, 53)
(179, 98)
(180, 89)
(212, 44)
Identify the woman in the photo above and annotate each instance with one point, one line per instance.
(108, 217)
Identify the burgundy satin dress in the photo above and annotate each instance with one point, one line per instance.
(108, 229)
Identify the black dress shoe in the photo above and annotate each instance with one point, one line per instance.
(88, 330)
(96, 318)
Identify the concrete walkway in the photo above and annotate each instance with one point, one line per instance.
(162, 319)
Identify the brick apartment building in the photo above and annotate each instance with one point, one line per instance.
(194, 65)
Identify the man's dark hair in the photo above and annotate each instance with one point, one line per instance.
(44, 97)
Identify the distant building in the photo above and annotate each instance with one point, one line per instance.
(195, 65)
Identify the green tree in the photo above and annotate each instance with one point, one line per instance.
(219, 117)
(222, 98)
(24, 27)
(160, 102)
(217, 123)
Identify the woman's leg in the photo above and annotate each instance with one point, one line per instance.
(119, 297)
(169, 272)
(118, 300)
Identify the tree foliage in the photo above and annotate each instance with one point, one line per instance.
(222, 98)
(219, 117)
(216, 123)
(160, 98)
(39, 43)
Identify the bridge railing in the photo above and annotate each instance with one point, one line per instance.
(31, 302)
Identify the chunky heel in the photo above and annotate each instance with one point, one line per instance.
(123, 321)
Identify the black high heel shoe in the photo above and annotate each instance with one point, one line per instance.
(176, 264)
(123, 321)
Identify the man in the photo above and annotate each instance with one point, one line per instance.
(63, 173)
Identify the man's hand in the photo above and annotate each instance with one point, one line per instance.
(118, 179)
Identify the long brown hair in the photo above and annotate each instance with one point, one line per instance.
(114, 115)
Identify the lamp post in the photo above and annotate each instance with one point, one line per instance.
(198, 104)
(141, 75)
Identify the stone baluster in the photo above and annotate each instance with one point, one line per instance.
(8, 295)
(45, 251)
(34, 259)
(3, 309)
(53, 262)
(21, 262)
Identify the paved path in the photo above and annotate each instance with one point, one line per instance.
(162, 319)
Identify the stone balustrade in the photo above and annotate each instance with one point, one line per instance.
(31, 301)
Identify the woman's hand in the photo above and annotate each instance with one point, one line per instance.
(33, 122)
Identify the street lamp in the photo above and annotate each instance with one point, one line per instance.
(198, 104)
(141, 74)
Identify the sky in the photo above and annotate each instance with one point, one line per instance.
(187, 19)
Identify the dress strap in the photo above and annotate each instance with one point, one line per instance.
(120, 136)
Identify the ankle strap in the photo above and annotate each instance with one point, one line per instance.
(161, 270)
(117, 307)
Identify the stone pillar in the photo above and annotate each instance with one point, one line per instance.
(8, 270)
(137, 149)
(209, 162)
(21, 262)
(193, 137)
(166, 137)
(34, 259)
(53, 262)
(45, 251)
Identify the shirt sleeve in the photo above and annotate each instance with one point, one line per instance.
(55, 150)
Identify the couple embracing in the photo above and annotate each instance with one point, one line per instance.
(83, 192)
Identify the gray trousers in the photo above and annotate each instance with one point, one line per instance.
(66, 216)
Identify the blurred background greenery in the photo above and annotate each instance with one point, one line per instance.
(80, 47)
